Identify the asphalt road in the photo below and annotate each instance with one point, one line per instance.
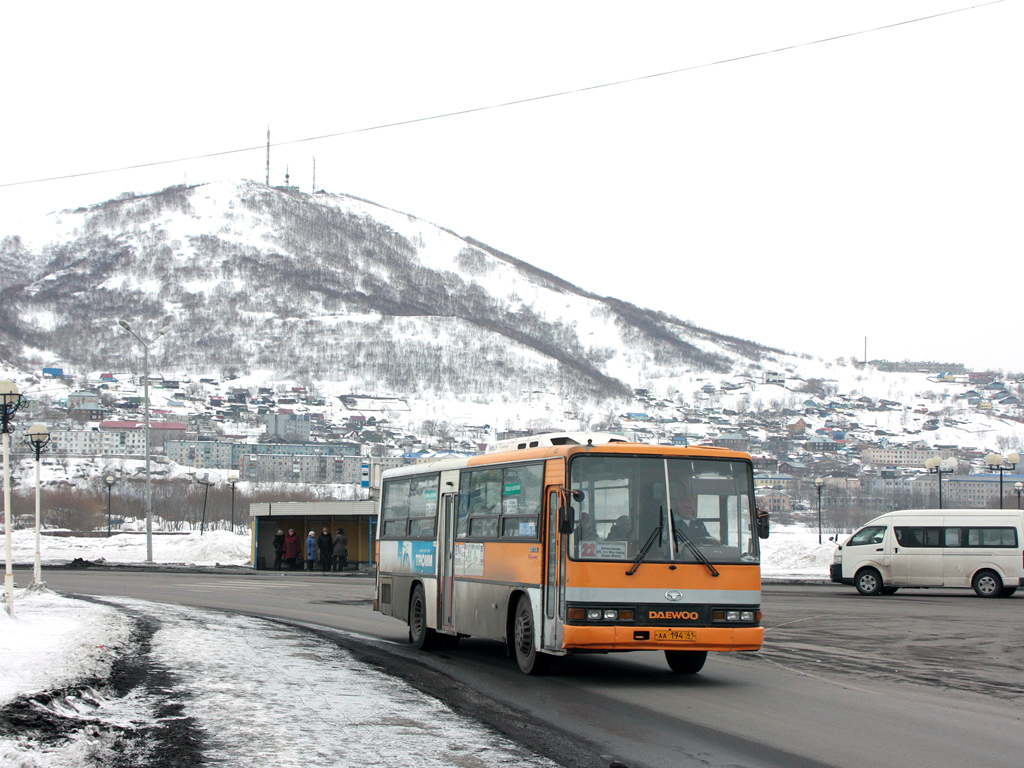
(921, 678)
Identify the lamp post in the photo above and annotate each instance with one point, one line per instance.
(145, 396)
(10, 401)
(206, 482)
(109, 480)
(818, 483)
(996, 461)
(233, 478)
(940, 467)
(38, 438)
(1018, 487)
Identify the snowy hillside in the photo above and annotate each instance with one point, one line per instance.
(328, 287)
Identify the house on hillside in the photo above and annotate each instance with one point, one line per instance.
(798, 427)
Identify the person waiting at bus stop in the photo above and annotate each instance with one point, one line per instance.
(278, 549)
(325, 543)
(292, 547)
(310, 551)
(340, 550)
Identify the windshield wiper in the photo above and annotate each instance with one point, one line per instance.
(695, 549)
(650, 542)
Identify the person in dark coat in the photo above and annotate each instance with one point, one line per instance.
(310, 551)
(292, 547)
(325, 543)
(278, 549)
(339, 550)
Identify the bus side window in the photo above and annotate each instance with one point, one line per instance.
(395, 506)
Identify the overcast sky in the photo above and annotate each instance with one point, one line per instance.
(807, 198)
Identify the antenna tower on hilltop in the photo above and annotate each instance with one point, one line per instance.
(314, 176)
(268, 155)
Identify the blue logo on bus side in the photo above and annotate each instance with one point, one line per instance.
(417, 556)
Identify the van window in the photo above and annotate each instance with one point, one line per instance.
(991, 537)
(919, 537)
(872, 535)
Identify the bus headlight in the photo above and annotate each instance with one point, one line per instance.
(601, 614)
(735, 616)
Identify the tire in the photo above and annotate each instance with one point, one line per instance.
(686, 662)
(420, 635)
(868, 581)
(1007, 591)
(987, 583)
(524, 633)
(890, 590)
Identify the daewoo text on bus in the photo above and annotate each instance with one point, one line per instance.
(572, 543)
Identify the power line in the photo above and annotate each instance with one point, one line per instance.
(505, 104)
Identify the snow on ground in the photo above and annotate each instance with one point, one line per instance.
(209, 548)
(228, 678)
(231, 690)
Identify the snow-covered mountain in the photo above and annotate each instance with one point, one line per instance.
(331, 287)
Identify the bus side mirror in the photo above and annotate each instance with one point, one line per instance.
(762, 524)
(566, 513)
(566, 519)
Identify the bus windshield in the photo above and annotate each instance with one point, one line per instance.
(667, 509)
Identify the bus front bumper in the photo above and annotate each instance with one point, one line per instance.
(621, 638)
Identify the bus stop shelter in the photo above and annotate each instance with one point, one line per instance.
(357, 518)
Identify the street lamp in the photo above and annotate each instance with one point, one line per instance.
(10, 401)
(145, 396)
(109, 480)
(206, 482)
(940, 467)
(233, 478)
(1018, 487)
(38, 438)
(818, 483)
(999, 462)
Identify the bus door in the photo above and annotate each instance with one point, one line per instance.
(446, 562)
(554, 576)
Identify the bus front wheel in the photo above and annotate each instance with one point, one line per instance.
(524, 640)
(420, 635)
(686, 662)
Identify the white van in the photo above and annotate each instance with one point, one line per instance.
(978, 548)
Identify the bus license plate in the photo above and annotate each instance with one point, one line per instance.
(675, 634)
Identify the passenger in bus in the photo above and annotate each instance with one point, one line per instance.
(325, 545)
(620, 529)
(278, 549)
(292, 547)
(310, 551)
(340, 550)
(588, 530)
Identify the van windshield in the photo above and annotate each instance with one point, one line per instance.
(873, 534)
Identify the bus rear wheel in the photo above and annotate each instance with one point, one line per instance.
(686, 662)
(524, 636)
(420, 635)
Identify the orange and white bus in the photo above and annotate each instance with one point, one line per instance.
(576, 543)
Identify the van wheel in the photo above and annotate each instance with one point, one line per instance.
(987, 584)
(889, 590)
(868, 581)
(420, 635)
(686, 662)
(524, 633)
